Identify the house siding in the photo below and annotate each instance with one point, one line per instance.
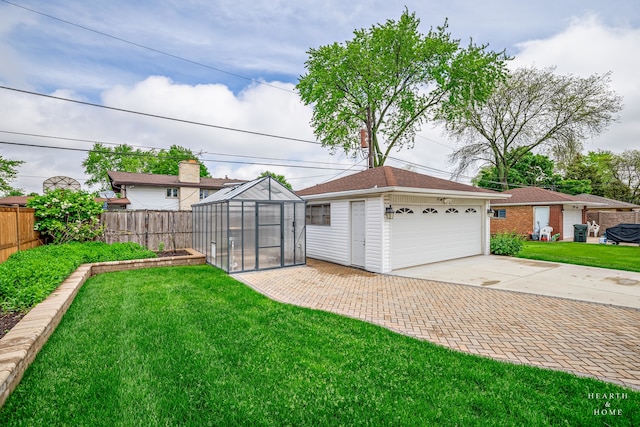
(375, 247)
(331, 242)
(152, 198)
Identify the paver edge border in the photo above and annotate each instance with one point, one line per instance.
(20, 346)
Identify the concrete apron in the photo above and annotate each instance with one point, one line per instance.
(600, 285)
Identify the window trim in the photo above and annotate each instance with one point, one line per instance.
(172, 193)
(500, 213)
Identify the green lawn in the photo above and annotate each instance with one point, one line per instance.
(594, 255)
(192, 346)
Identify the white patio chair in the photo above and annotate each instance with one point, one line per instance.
(593, 228)
(546, 232)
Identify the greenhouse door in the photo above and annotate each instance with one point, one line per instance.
(269, 237)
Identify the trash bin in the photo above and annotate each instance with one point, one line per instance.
(580, 233)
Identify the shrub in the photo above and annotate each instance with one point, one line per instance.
(506, 243)
(67, 215)
(28, 277)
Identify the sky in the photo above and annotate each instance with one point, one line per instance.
(233, 66)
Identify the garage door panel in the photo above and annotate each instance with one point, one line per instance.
(421, 238)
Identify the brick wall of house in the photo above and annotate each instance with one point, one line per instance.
(518, 219)
(606, 219)
(555, 218)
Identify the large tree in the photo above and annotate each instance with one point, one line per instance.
(124, 158)
(531, 109)
(626, 169)
(532, 170)
(391, 79)
(8, 172)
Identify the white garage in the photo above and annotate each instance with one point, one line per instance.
(384, 219)
(426, 234)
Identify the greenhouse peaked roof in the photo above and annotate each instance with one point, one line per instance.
(261, 189)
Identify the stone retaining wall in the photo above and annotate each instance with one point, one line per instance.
(19, 347)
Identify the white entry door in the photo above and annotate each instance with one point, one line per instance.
(358, 234)
(540, 217)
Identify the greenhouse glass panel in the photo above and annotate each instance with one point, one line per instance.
(254, 225)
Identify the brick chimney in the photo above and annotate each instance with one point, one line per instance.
(189, 171)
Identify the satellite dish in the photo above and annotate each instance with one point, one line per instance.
(63, 182)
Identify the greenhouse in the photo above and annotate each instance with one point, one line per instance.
(252, 226)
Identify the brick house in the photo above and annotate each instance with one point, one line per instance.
(531, 208)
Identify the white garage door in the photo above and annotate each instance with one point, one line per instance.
(422, 235)
(570, 217)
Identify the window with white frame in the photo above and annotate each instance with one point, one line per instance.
(172, 193)
(204, 193)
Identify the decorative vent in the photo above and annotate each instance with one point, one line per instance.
(471, 211)
(451, 211)
(430, 211)
(404, 211)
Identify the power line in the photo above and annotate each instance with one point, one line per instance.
(22, 144)
(161, 52)
(157, 116)
(155, 148)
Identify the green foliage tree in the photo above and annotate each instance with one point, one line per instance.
(532, 170)
(391, 79)
(8, 172)
(165, 162)
(67, 215)
(626, 170)
(532, 109)
(280, 178)
(616, 176)
(124, 158)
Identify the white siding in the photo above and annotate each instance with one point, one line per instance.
(375, 238)
(153, 198)
(331, 242)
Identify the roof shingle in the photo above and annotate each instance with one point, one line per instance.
(387, 176)
(129, 178)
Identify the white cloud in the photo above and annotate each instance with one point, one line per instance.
(588, 47)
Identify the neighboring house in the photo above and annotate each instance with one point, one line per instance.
(112, 203)
(384, 219)
(166, 192)
(611, 212)
(606, 204)
(531, 208)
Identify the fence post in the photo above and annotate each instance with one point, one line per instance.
(18, 226)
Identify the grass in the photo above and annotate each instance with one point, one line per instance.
(605, 256)
(192, 346)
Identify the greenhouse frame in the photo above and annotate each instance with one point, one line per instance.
(256, 225)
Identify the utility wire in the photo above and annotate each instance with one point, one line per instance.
(155, 148)
(146, 47)
(204, 160)
(157, 116)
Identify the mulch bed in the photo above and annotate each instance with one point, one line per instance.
(8, 321)
(171, 253)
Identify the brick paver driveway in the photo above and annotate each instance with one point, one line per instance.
(579, 337)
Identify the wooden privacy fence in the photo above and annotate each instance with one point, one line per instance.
(153, 229)
(16, 231)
